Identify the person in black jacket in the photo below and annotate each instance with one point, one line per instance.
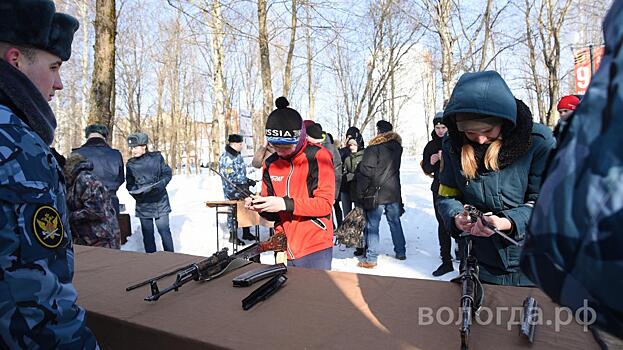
(107, 161)
(147, 176)
(380, 168)
(345, 195)
(431, 164)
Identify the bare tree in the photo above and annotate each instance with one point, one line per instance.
(460, 42)
(265, 70)
(287, 74)
(103, 83)
(365, 91)
(219, 127)
(545, 38)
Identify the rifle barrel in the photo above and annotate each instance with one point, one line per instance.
(182, 278)
(244, 193)
(159, 277)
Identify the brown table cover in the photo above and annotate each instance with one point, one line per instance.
(314, 310)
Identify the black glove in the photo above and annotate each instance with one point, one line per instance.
(251, 183)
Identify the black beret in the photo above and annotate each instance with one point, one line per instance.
(36, 23)
(234, 138)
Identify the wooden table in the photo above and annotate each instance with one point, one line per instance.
(314, 310)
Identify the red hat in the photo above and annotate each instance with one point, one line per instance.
(568, 102)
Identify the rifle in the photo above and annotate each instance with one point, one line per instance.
(472, 295)
(210, 268)
(475, 214)
(243, 192)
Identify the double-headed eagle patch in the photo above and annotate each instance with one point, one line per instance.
(48, 227)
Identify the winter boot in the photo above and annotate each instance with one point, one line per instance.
(366, 264)
(246, 234)
(444, 268)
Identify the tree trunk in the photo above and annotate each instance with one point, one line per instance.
(84, 101)
(267, 88)
(287, 75)
(532, 62)
(220, 90)
(310, 81)
(443, 11)
(487, 35)
(103, 84)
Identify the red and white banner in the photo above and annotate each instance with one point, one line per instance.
(582, 60)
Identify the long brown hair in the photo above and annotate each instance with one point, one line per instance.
(469, 163)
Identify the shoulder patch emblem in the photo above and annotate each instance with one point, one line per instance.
(48, 227)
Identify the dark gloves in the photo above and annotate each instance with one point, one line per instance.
(251, 183)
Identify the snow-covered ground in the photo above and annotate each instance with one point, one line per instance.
(193, 225)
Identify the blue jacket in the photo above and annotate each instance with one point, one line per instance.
(574, 245)
(37, 299)
(231, 165)
(146, 179)
(509, 192)
(107, 162)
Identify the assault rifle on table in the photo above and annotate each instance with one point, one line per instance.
(210, 268)
(244, 193)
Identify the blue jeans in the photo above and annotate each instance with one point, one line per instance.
(373, 217)
(319, 260)
(147, 227)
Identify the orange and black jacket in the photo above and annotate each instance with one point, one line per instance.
(306, 181)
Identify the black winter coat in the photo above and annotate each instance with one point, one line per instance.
(146, 179)
(433, 146)
(107, 162)
(382, 156)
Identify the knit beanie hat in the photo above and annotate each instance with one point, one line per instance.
(568, 102)
(314, 130)
(438, 118)
(383, 126)
(284, 125)
(234, 138)
(353, 132)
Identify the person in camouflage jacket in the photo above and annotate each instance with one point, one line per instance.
(574, 245)
(38, 307)
(232, 166)
(92, 216)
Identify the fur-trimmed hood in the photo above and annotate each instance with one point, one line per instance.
(385, 137)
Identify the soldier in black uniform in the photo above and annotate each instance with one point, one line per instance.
(147, 176)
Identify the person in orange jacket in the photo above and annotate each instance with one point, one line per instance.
(298, 190)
